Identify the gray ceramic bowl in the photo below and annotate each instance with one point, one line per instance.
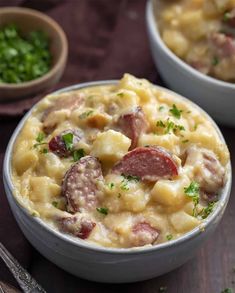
(107, 264)
(215, 96)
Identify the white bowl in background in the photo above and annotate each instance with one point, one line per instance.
(110, 265)
(213, 95)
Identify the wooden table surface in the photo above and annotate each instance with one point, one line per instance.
(212, 268)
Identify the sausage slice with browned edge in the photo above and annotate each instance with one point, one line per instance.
(69, 103)
(81, 228)
(80, 184)
(132, 124)
(58, 146)
(143, 233)
(147, 163)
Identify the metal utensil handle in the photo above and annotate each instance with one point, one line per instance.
(24, 279)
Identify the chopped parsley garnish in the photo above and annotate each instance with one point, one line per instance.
(175, 111)
(161, 108)
(78, 154)
(169, 237)
(44, 151)
(192, 191)
(23, 57)
(126, 179)
(40, 137)
(40, 140)
(85, 114)
(68, 140)
(227, 290)
(162, 289)
(55, 204)
(103, 211)
(131, 178)
(169, 126)
(160, 123)
(226, 16)
(34, 214)
(111, 185)
(124, 185)
(195, 127)
(120, 95)
(215, 61)
(185, 141)
(208, 210)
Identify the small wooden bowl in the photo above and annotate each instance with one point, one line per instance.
(29, 20)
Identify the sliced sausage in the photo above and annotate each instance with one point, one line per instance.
(148, 163)
(80, 184)
(78, 227)
(57, 144)
(132, 124)
(208, 171)
(143, 234)
(222, 44)
(69, 102)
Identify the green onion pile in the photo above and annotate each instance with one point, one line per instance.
(23, 58)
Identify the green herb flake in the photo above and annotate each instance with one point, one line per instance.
(40, 137)
(40, 140)
(103, 211)
(78, 154)
(227, 290)
(169, 237)
(161, 108)
(170, 126)
(215, 61)
(55, 204)
(86, 114)
(44, 151)
(175, 111)
(23, 57)
(195, 127)
(131, 178)
(120, 95)
(34, 214)
(160, 123)
(208, 210)
(185, 141)
(226, 16)
(111, 185)
(124, 186)
(162, 289)
(192, 191)
(68, 140)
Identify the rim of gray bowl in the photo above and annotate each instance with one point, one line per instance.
(154, 31)
(225, 194)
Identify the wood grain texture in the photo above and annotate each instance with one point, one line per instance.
(108, 38)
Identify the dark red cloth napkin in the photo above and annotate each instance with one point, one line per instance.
(106, 38)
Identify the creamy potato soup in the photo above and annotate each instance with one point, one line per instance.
(202, 33)
(121, 165)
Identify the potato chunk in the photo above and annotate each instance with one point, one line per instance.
(182, 222)
(110, 146)
(170, 193)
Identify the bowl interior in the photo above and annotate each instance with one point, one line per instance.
(151, 16)
(83, 244)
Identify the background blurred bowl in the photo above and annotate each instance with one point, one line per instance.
(215, 96)
(29, 20)
(104, 264)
